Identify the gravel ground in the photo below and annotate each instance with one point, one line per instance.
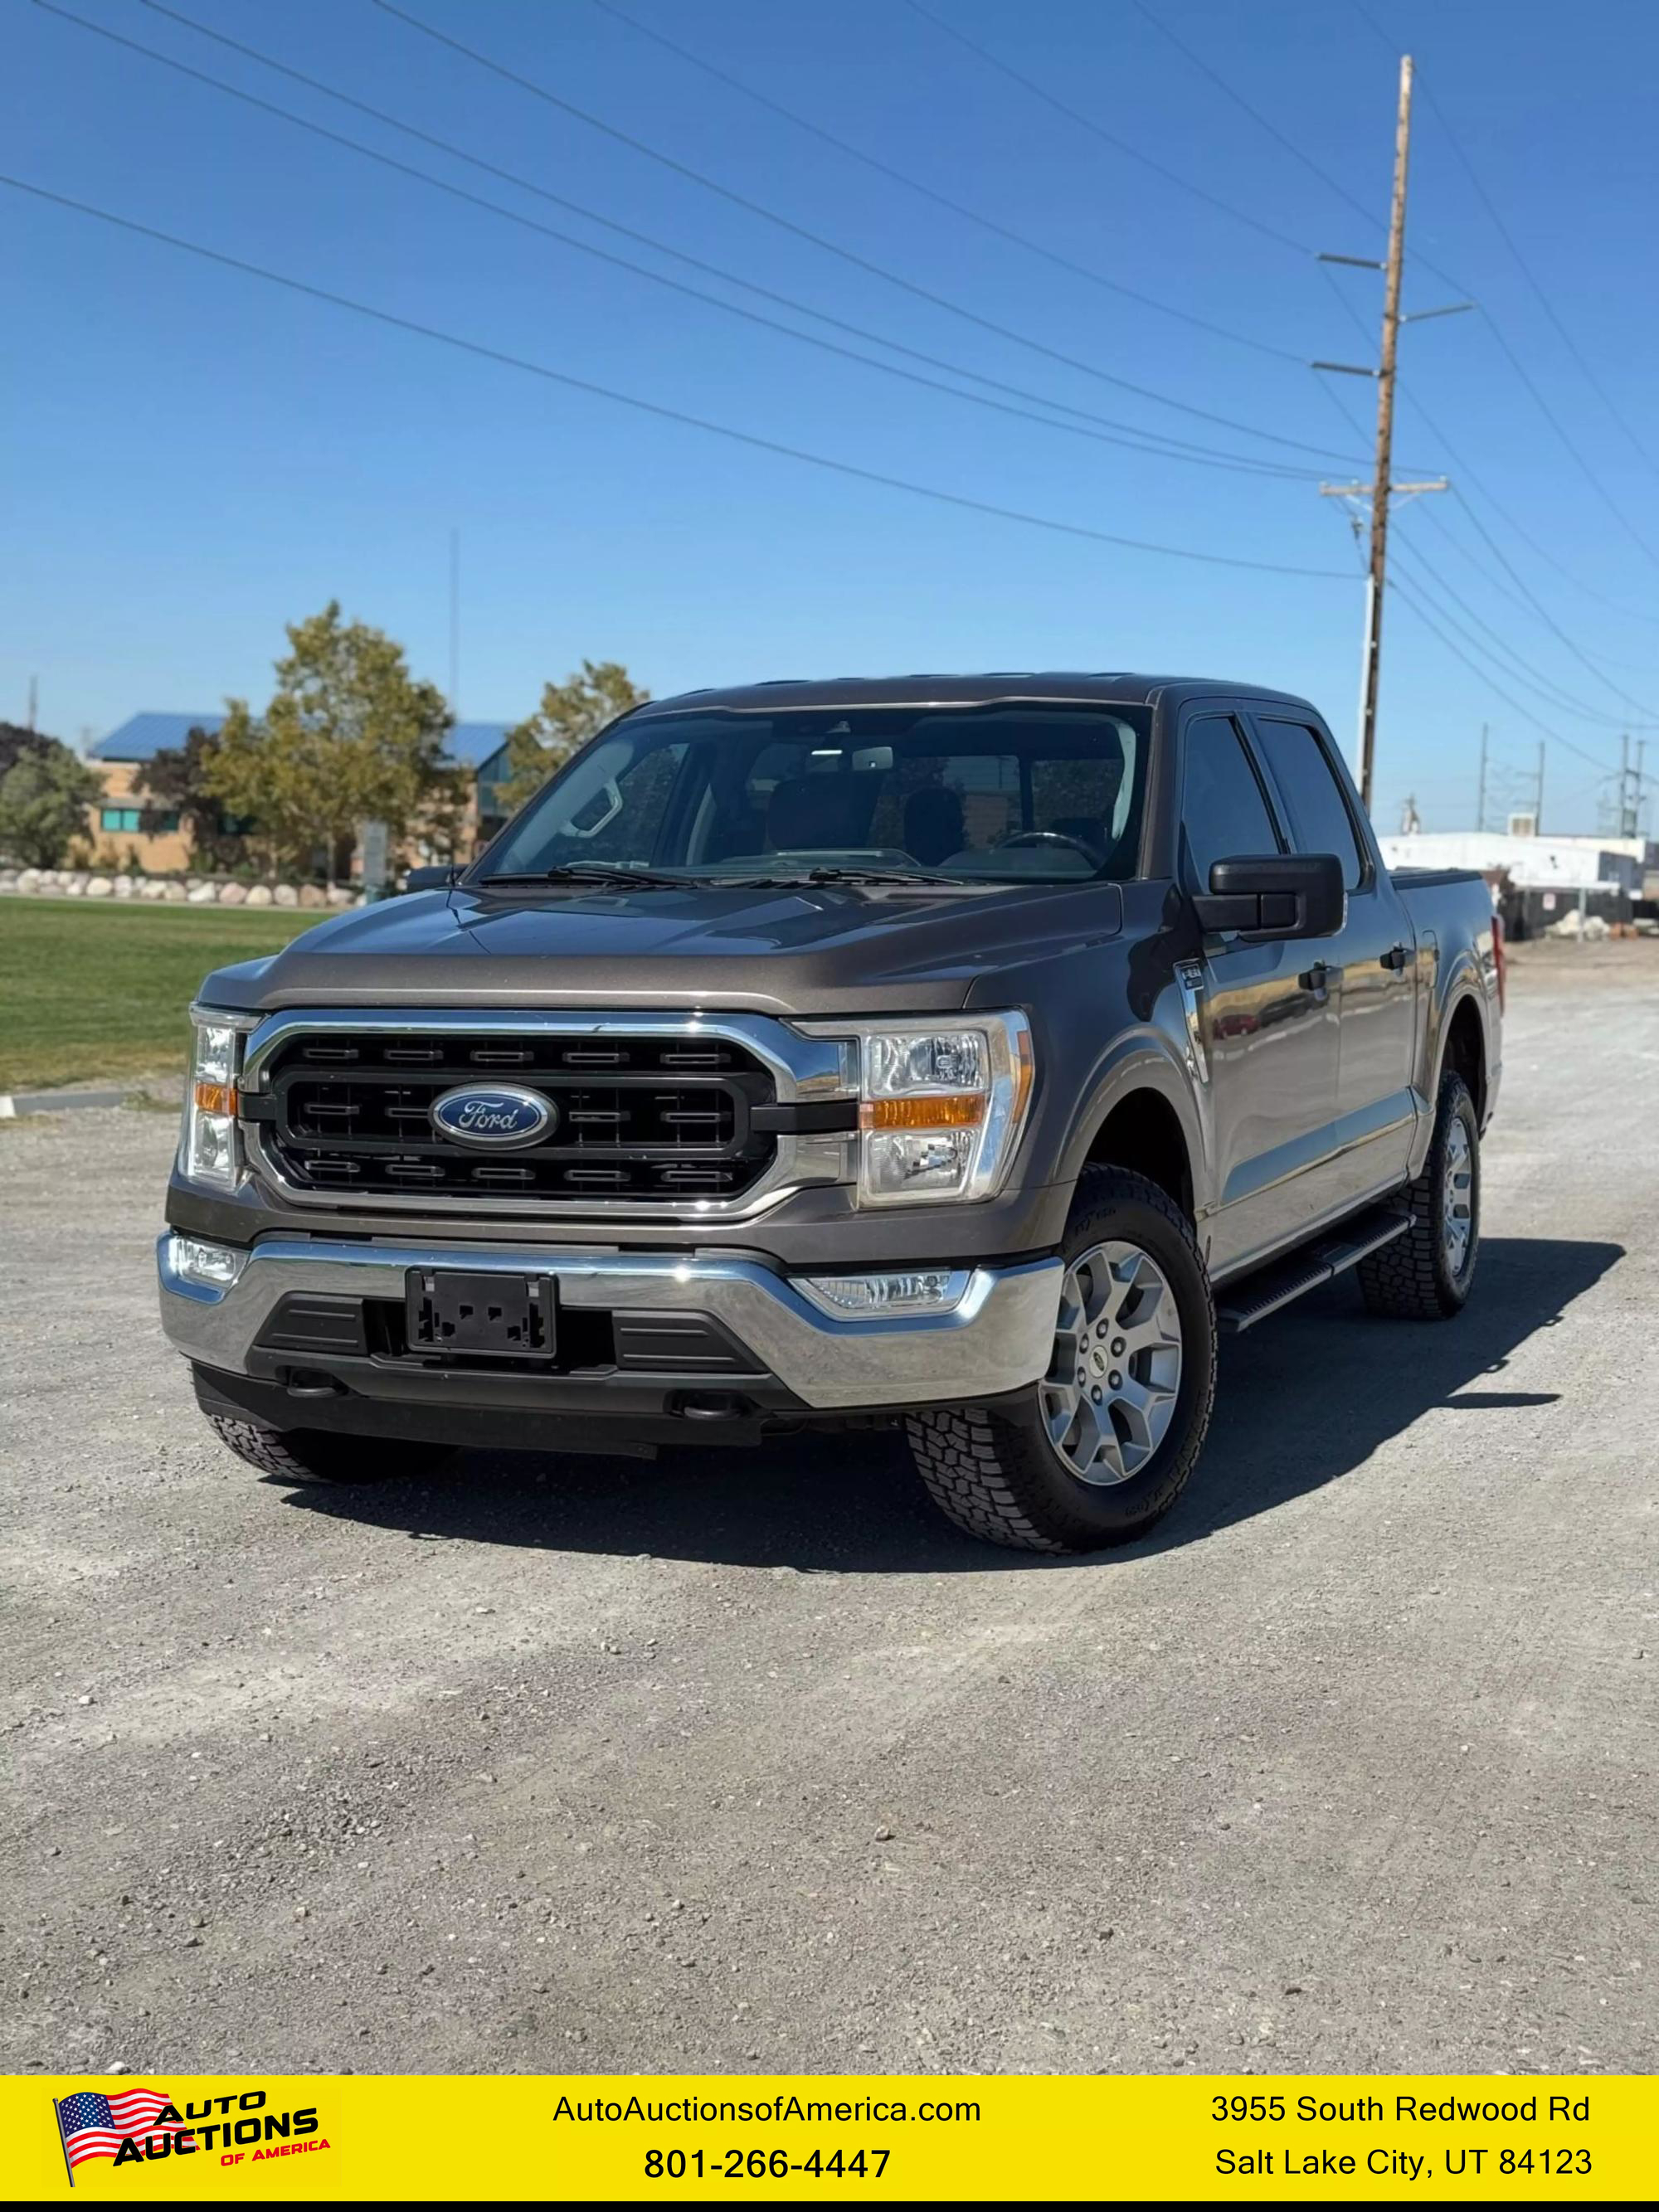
(745, 1758)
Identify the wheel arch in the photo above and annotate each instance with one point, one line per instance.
(1139, 1114)
(1463, 1049)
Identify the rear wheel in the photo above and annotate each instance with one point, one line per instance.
(1103, 1445)
(1426, 1274)
(303, 1456)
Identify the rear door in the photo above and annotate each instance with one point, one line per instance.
(1377, 1105)
(1267, 1027)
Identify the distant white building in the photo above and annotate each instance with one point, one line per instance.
(1568, 864)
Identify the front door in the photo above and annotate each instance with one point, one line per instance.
(1377, 1105)
(1264, 1018)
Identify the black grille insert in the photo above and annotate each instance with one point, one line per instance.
(636, 1117)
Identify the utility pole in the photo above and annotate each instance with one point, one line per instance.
(35, 699)
(1538, 796)
(1627, 812)
(1481, 794)
(1381, 485)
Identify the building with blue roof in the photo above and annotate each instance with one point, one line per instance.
(125, 826)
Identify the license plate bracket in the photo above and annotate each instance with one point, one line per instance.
(477, 1316)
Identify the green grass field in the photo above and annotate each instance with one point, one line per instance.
(89, 991)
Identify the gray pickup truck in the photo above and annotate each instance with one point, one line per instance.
(958, 1053)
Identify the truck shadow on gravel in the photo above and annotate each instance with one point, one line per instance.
(1304, 1400)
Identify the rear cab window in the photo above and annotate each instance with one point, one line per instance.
(1311, 794)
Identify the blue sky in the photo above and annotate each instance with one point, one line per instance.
(195, 457)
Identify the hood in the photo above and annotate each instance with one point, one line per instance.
(818, 950)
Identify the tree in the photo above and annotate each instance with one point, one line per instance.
(570, 714)
(349, 737)
(16, 741)
(178, 782)
(43, 798)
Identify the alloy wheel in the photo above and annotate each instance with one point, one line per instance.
(1109, 1395)
(1457, 1196)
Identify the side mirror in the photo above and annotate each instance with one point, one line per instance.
(430, 879)
(1276, 895)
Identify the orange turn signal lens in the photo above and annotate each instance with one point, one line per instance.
(215, 1098)
(952, 1110)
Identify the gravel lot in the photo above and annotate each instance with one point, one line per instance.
(746, 1759)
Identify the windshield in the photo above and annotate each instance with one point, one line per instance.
(1001, 794)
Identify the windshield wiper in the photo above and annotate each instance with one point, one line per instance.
(613, 873)
(832, 875)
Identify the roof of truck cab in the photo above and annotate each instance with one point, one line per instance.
(1105, 687)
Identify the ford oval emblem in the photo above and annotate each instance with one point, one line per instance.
(493, 1114)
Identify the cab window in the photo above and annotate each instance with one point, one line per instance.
(1319, 820)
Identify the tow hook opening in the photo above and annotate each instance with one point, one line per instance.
(312, 1383)
(710, 1406)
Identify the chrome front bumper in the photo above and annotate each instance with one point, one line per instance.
(998, 1338)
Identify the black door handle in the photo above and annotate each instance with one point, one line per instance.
(1396, 956)
(1316, 978)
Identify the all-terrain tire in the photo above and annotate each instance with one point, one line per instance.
(303, 1456)
(1414, 1278)
(995, 1474)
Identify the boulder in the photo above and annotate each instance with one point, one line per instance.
(9, 879)
(311, 897)
(72, 883)
(175, 894)
(233, 894)
(123, 886)
(99, 887)
(153, 887)
(29, 880)
(340, 895)
(202, 894)
(284, 895)
(258, 895)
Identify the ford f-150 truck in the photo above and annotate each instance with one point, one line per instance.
(960, 1053)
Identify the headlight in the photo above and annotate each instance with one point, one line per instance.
(941, 1108)
(209, 1151)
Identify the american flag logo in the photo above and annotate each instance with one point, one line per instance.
(93, 2125)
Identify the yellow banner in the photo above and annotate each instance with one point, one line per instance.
(986, 2139)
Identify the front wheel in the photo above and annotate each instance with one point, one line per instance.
(1102, 1447)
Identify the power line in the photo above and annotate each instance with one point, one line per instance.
(1560, 430)
(1177, 449)
(939, 199)
(1543, 613)
(1544, 553)
(1554, 694)
(1096, 129)
(1156, 439)
(827, 246)
(1490, 319)
(1475, 483)
(1502, 229)
(1561, 329)
(649, 406)
(1279, 137)
(1410, 598)
(1506, 590)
